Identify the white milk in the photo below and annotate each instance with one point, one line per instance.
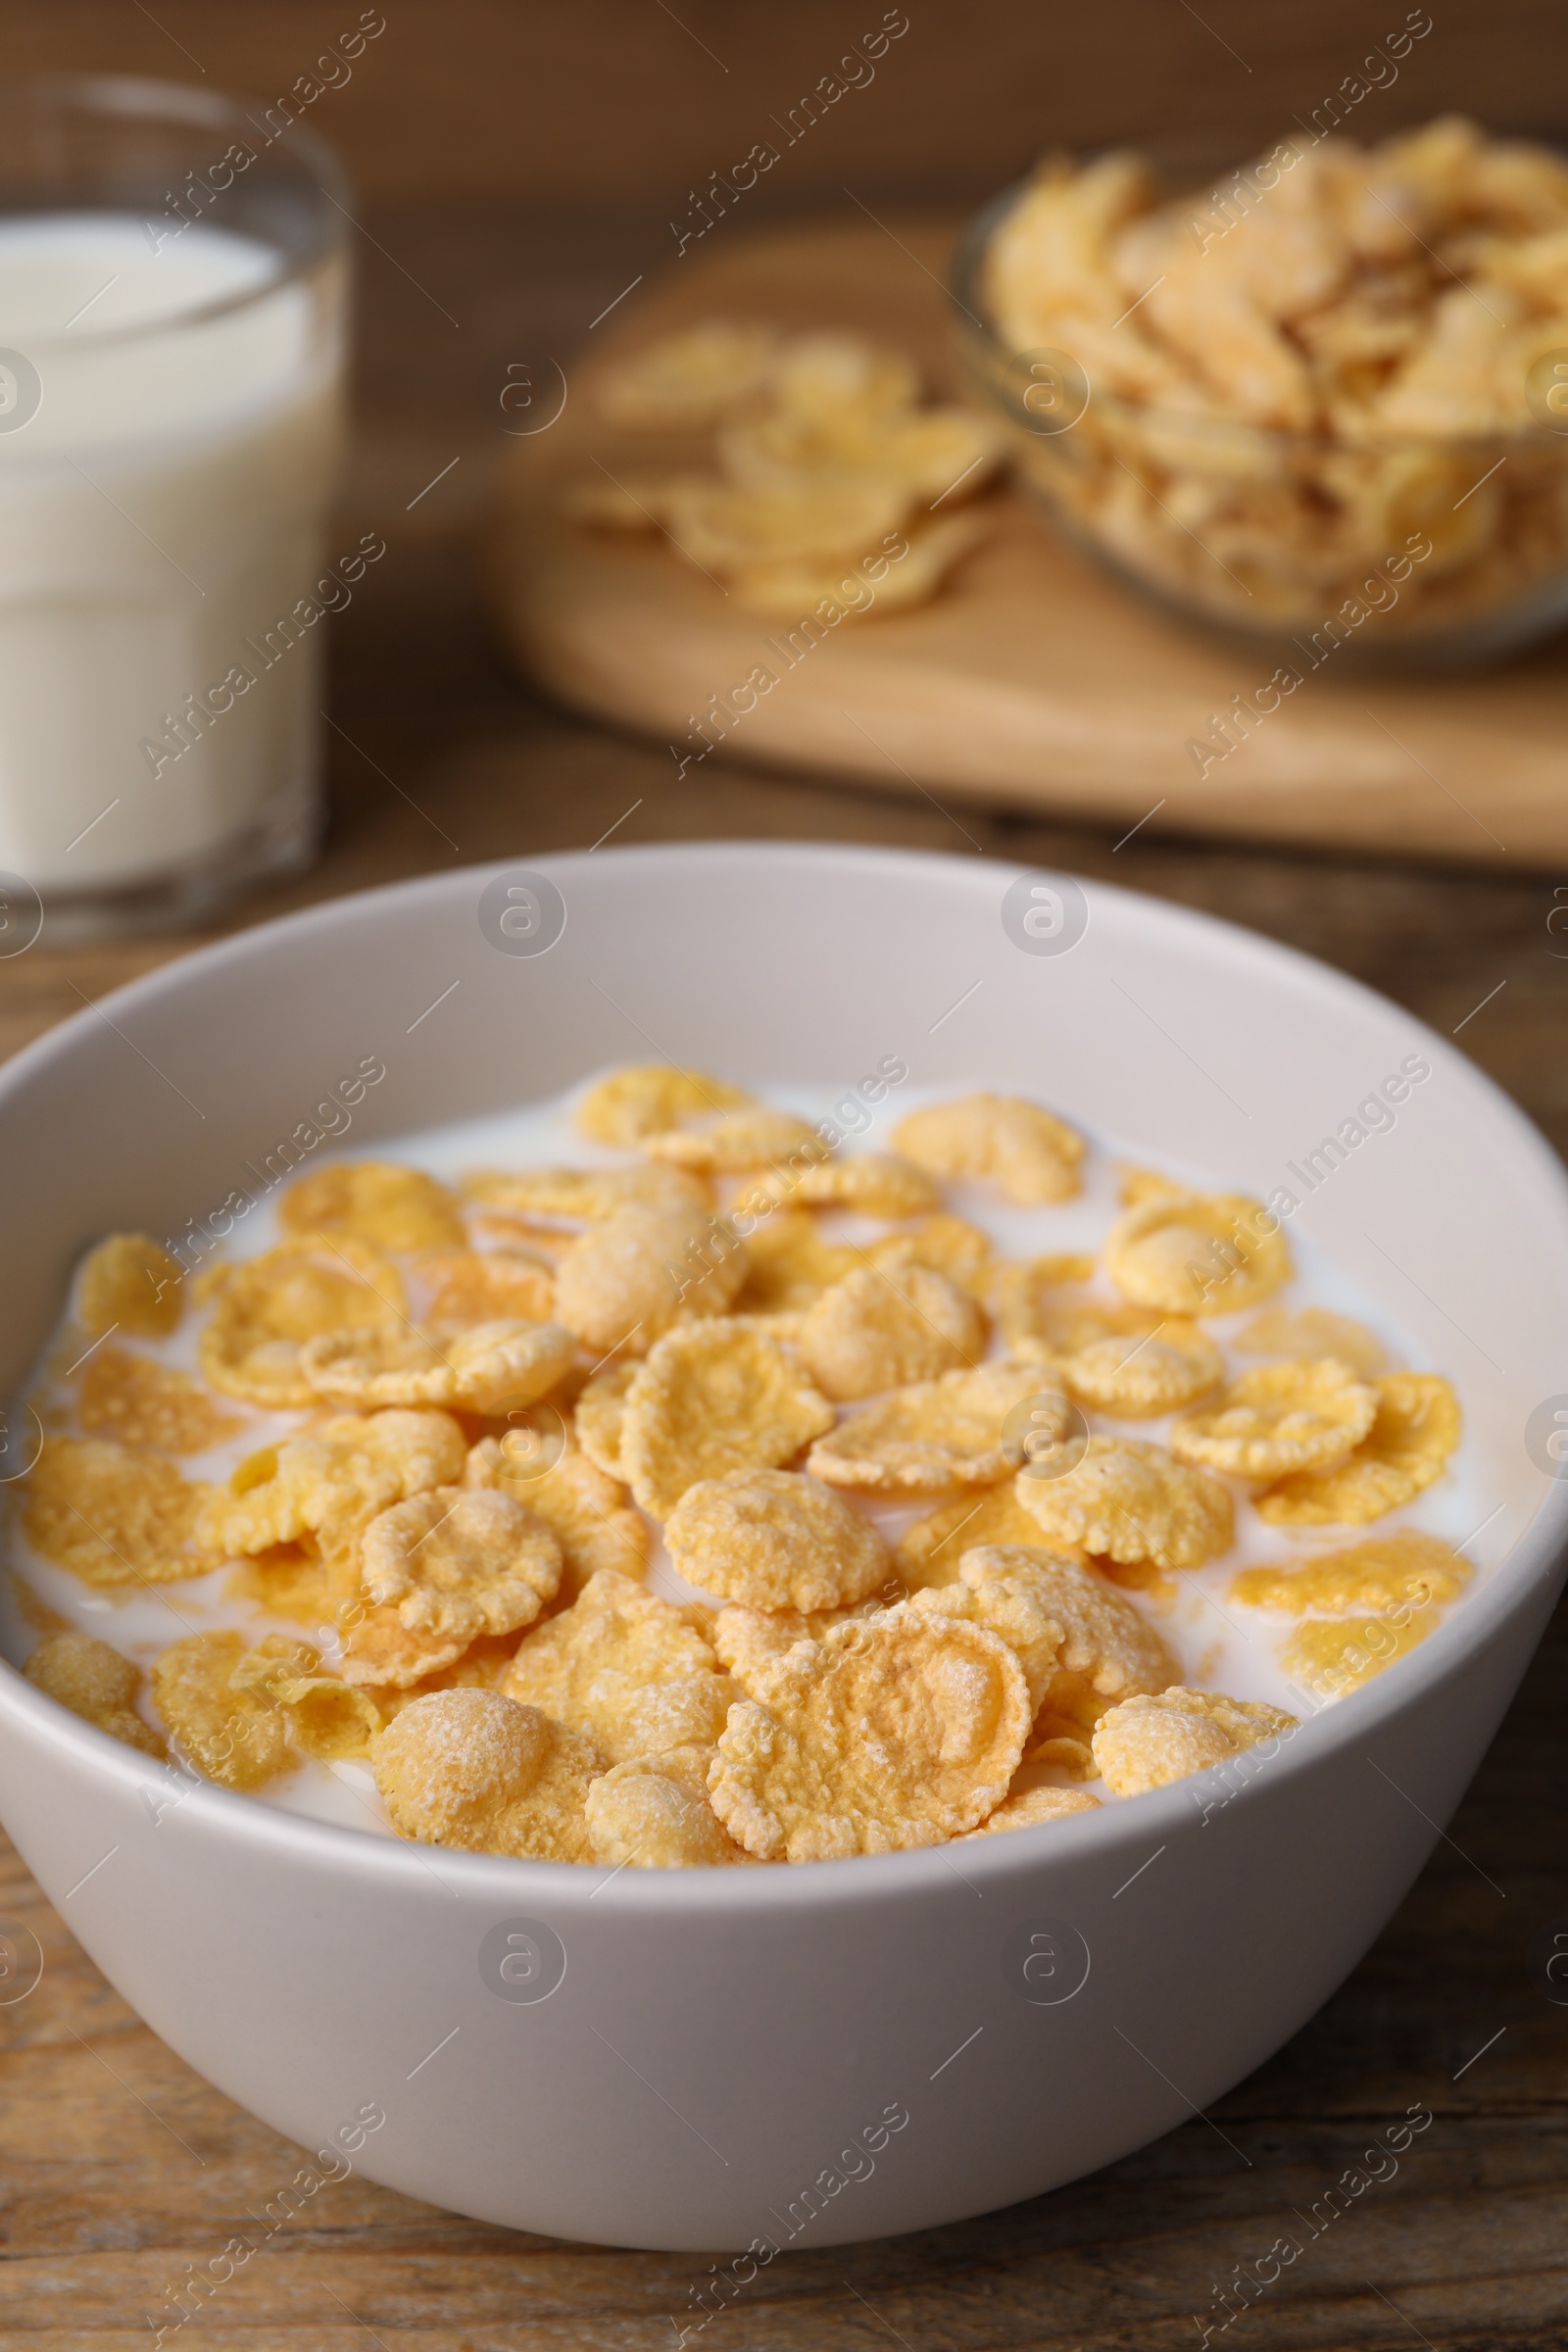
(160, 512)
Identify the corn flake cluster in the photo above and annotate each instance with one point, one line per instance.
(832, 485)
(1302, 384)
(935, 1593)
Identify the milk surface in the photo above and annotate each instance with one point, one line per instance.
(159, 511)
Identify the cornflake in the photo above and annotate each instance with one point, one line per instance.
(473, 1769)
(1081, 1644)
(775, 1540)
(382, 1652)
(885, 1326)
(599, 1415)
(115, 1516)
(1032, 1156)
(739, 1140)
(875, 1184)
(128, 1283)
(584, 1508)
(625, 1669)
(627, 1280)
(750, 1645)
(1379, 1573)
(483, 1368)
(95, 1683)
(1283, 1417)
(588, 1194)
(688, 379)
(486, 1286)
(1415, 1428)
(460, 1561)
(1148, 1741)
(265, 1308)
(645, 1098)
(355, 1464)
(938, 1433)
(653, 1813)
(1303, 1331)
(1032, 1806)
(711, 1397)
(139, 1401)
(1133, 1501)
(899, 1730)
(1171, 1365)
(929, 1551)
(390, 1208)
(948, 1246)
(1196, 1254)
(234, 1735)
(1333, 1656)
(789, 1263)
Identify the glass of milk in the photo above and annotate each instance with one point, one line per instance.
(172, 282)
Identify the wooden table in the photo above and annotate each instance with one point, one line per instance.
(118, 2166)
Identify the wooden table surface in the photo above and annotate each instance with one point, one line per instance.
(118, 2166)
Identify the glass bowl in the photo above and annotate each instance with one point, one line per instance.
(1406, 551)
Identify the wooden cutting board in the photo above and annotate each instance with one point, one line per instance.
(1031, 680)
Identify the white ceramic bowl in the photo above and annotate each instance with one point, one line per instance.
(721, 2044)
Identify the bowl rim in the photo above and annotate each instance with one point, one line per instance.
(966, 298)
(1114, 1830)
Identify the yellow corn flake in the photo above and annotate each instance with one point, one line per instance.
(774, 1539)
(722, 527)
(1282, 1417)
(381, 1652)
(646, 1098)
(883, 1327)
(484, 1368)
(629, 1279)
(899, 1730)
(1197, 1253)
(938, 1433)
(653, 1813)
(628, 1671)
(265, 1308)
(1415, 1428)
(1081, 1644)
(929, 1551)
(1136, 1185)
(874, 1183)
(95, 1683)
(1332, 1656)
(934, 453)
(1303, 1331)
(115, 1516)
(138, 1401)
(328, 1718)
(355, 1464)
(130, 1283)
(1379, 1573)
(472, 1769)
(584, 1508)
(388, 1207)
(600, 1412)
(685, 379)
(460, 1561)
(486, 1286)
(586, 1193)
(1032, 1156)
(286, 1581)
(784, 587)
(1148, 1741)
(739, 1140)
(1136, 1379)
(946, 1245)
(711, 1397)
(1042, 1307)
(829, 376)
(1029, 1807)
(1133, 1501)
(750, 1645)
(789, 1263)
(236, 1736)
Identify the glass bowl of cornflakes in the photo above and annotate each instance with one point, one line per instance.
(1321, 402)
